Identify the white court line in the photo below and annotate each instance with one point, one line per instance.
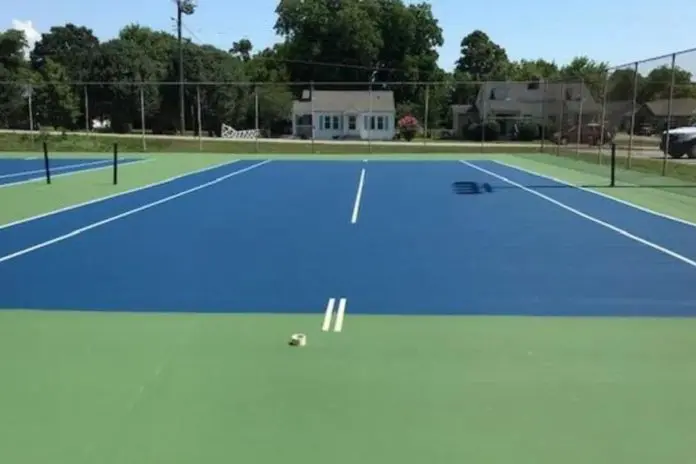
(77, 171)
(601, 194)
(358, 196)
(94, 225)
(618, 230)
(57, 168)
(328, 314)
(114, 195)
(340, 313)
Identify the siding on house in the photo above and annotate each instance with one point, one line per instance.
(346, 114)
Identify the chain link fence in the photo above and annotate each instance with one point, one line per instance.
(571, 122)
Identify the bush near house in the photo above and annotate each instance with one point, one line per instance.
(487, 131)
(528, 132)
(408, 127)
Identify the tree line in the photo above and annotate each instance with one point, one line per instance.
(322, 41)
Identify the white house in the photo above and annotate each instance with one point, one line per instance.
(344, 114)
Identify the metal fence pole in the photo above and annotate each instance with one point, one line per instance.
(142, 116)
(30, 92)
(311, 102)
(544, 114)
(199, 118)
(634, 104)
(669, 115)
(427, 110)
(579, 122)
(602, 126)
(256, 117)
(86, 93)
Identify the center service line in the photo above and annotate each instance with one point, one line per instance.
(329, 313)
(358, 196)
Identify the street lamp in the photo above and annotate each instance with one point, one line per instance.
(183, 7)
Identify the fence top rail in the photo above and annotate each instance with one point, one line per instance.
(654, 58)
(376, 85)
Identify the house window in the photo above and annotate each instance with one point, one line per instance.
(372, 123)
(351, 123)
(327, 122)
(380, 122)
(365, 122)
(335, 123)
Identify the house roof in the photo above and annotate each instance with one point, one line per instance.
(523, 96)
(680, 107)
(346, 101)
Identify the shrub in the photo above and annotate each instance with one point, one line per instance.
(408, 126)
(488, 131)
(528, 132)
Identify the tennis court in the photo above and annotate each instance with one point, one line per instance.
(344, 251)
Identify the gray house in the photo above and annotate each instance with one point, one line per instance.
(548, 103)
(340, 114)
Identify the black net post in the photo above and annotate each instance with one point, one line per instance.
(47, 166)
(612, 181)
(115, 163)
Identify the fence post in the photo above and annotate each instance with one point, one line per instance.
(427, 110)
(256, 116)
(634, 104)
(86, 94)
(199, 118)
(669, 115)
(142, 116)
(602, 127)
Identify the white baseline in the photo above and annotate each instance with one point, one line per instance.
(77, 171)
(114, 195)
(94, 225)
(601, 194)
(577, 212)
(358, 197)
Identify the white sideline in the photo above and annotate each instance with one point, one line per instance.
(130, 212)
(77, 171)
(577, 212)
(601, 194)
(114, 195)
(57, 168)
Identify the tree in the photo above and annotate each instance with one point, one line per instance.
(658, 82)
(14, 112)
(242, 49)
(589, 72)
(56, 103)
(482, 59)
(621, 85)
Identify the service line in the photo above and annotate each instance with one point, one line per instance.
(358, 197)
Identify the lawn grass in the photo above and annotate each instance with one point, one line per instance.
(144, 388)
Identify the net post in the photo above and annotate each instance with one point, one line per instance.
(612, 181)
(47, 166)
(115, 163)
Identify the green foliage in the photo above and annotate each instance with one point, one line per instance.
(488, 131)
(528, 131)
(349, 41)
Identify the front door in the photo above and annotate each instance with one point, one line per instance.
(351, 125)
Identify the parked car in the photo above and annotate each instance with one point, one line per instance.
(590, 134)
(682, 141)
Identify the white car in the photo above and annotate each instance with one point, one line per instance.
(682, 141)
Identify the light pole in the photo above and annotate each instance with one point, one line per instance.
(183, 7)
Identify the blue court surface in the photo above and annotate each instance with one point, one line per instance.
(31, 169)
(389, 237)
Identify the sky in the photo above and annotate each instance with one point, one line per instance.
(616, 31)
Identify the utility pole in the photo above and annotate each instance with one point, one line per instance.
(183, 7)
